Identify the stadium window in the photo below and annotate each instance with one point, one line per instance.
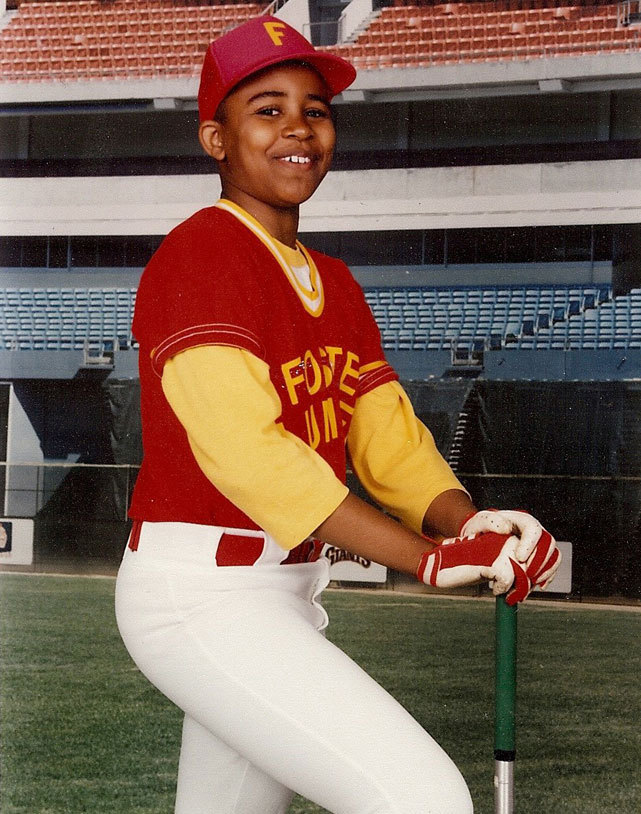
(433, 252)
(389, 132)
(34, 252)
(11, 252)
(353, 248)
(414, 247)
(84, 252)
(602, 246)
(490, 245)
(138, 250)
(519, 245)
(550, 244)
(111, 252)
(461, 246)
(387, 248)
(578, 243)
(325, 242)
(395, 248)
(58, 257)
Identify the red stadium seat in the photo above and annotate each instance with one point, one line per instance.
(69, 34)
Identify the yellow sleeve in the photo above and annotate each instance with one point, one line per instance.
(229, 408)
(395, 457)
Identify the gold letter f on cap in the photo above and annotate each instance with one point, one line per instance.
(276, 31)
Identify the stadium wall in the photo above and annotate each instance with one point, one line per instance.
(499, 274)
(627, 267)
(425, 198)
(70, 443)
(485, 145)
(22, 447)
(296, 14)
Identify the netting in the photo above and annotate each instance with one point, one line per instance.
(568, 452)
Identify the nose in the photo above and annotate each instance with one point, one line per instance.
(297, 126)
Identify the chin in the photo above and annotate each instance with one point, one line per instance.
(289, 201)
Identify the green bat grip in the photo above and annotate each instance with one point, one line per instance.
(505, 677)
(505, 707)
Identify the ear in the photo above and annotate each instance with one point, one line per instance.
(211, 139)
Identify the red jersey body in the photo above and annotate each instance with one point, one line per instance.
(214, 282)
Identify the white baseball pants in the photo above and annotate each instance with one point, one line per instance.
(271, 707)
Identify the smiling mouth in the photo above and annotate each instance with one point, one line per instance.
(296, 159)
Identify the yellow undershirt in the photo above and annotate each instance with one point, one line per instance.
(228, 406)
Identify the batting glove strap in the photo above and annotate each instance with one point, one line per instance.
(420, 573)
(538, 572)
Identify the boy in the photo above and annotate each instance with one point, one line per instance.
(260, 365)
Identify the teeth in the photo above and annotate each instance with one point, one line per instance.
(297, 159)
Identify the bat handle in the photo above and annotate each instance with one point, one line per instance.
(505, 707)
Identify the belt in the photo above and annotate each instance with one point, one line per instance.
(242, 546)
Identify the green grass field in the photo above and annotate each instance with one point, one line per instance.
(83, 731)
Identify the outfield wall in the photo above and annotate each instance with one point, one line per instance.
(569, 452)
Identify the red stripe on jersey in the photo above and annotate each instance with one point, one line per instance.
(374, 378)
(213, 334)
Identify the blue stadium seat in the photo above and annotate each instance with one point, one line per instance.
(527, 327)
(418, 318)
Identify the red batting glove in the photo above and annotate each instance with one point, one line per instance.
(489, 556)
(457, 562)
(538, 572)
(527, 528)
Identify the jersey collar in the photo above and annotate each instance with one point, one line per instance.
(312, 298)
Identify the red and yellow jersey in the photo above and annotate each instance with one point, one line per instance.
(219, 279)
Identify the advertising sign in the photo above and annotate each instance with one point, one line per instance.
(16, 541)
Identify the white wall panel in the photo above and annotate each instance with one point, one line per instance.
(428, 198)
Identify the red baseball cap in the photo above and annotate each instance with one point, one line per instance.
(257, 44)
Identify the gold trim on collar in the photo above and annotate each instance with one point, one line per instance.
(313, 299)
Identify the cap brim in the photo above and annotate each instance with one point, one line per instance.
(337, 72)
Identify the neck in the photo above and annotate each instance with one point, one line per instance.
(280, 223)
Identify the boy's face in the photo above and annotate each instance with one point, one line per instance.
(276, 141)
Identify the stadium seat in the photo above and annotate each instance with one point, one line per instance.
(514, 321)
(67, 33)
(63, 34)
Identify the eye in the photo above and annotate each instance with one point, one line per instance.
(317, 113)
(268, 111)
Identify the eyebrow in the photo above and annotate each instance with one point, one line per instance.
(279, 94)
